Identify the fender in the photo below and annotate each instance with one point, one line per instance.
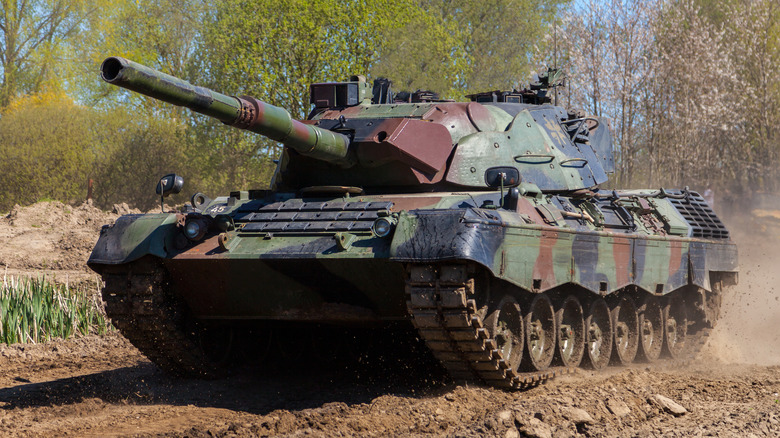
(439, 235)
(591, 260)
(131, 237)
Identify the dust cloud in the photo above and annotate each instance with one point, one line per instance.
(748, 331)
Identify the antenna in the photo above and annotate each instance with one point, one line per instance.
(555, 59)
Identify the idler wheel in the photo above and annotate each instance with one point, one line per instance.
(625, 325)
(598, 335)
(675, 327)
(539, 334)
(506, 328)
(651, 329)
(570, 328)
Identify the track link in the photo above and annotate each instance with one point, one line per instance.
(153, 321)
(441, 303)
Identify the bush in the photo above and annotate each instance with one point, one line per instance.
(52, 148)
(47, 153)
(134, 152)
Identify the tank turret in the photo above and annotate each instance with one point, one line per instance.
(369, 138)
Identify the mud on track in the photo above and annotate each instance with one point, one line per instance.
(102, 386)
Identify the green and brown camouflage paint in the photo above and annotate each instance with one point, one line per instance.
(290, 254)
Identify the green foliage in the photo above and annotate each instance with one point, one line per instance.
(163, 34)
(223, 159)
(36, 310)
(122, 152)
(132, 152)
(46, 150)
(457, 48)
(499, 38)
(425, 51)
(32, 34)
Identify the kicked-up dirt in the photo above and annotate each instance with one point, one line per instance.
(102, 386)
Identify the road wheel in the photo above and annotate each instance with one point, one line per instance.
(598, 335)
(651, 329)
(539, 334)
(625, 323)
(570, 328)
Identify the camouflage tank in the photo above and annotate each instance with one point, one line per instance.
(481, 224)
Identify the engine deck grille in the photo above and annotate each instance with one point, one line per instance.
(701, 217)
(310, 217)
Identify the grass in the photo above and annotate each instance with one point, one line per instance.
(37, 310)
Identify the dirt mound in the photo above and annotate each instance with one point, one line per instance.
(52, 239)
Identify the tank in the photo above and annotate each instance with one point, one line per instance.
(479, 226)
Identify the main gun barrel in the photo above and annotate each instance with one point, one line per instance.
(242, 112)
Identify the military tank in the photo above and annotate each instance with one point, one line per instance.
(479, 224)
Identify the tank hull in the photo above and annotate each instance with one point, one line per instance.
(335, 291)
(310, 275)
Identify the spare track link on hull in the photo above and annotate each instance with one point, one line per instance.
(153, 322)
(440, 302)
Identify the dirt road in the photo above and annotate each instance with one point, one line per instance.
(104, 387)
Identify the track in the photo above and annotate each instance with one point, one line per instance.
(442, 302)
(154, 322)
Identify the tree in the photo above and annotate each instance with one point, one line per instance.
(31, 32)
(162, 34)
(425, 51)
(501, 38)
(695, 120)
(754, 26)
(608, 50)
(689, 85)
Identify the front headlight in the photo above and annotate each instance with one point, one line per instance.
(383, 226)
(195, 229)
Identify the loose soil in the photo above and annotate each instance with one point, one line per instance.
(52, 239)
(102, 386)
